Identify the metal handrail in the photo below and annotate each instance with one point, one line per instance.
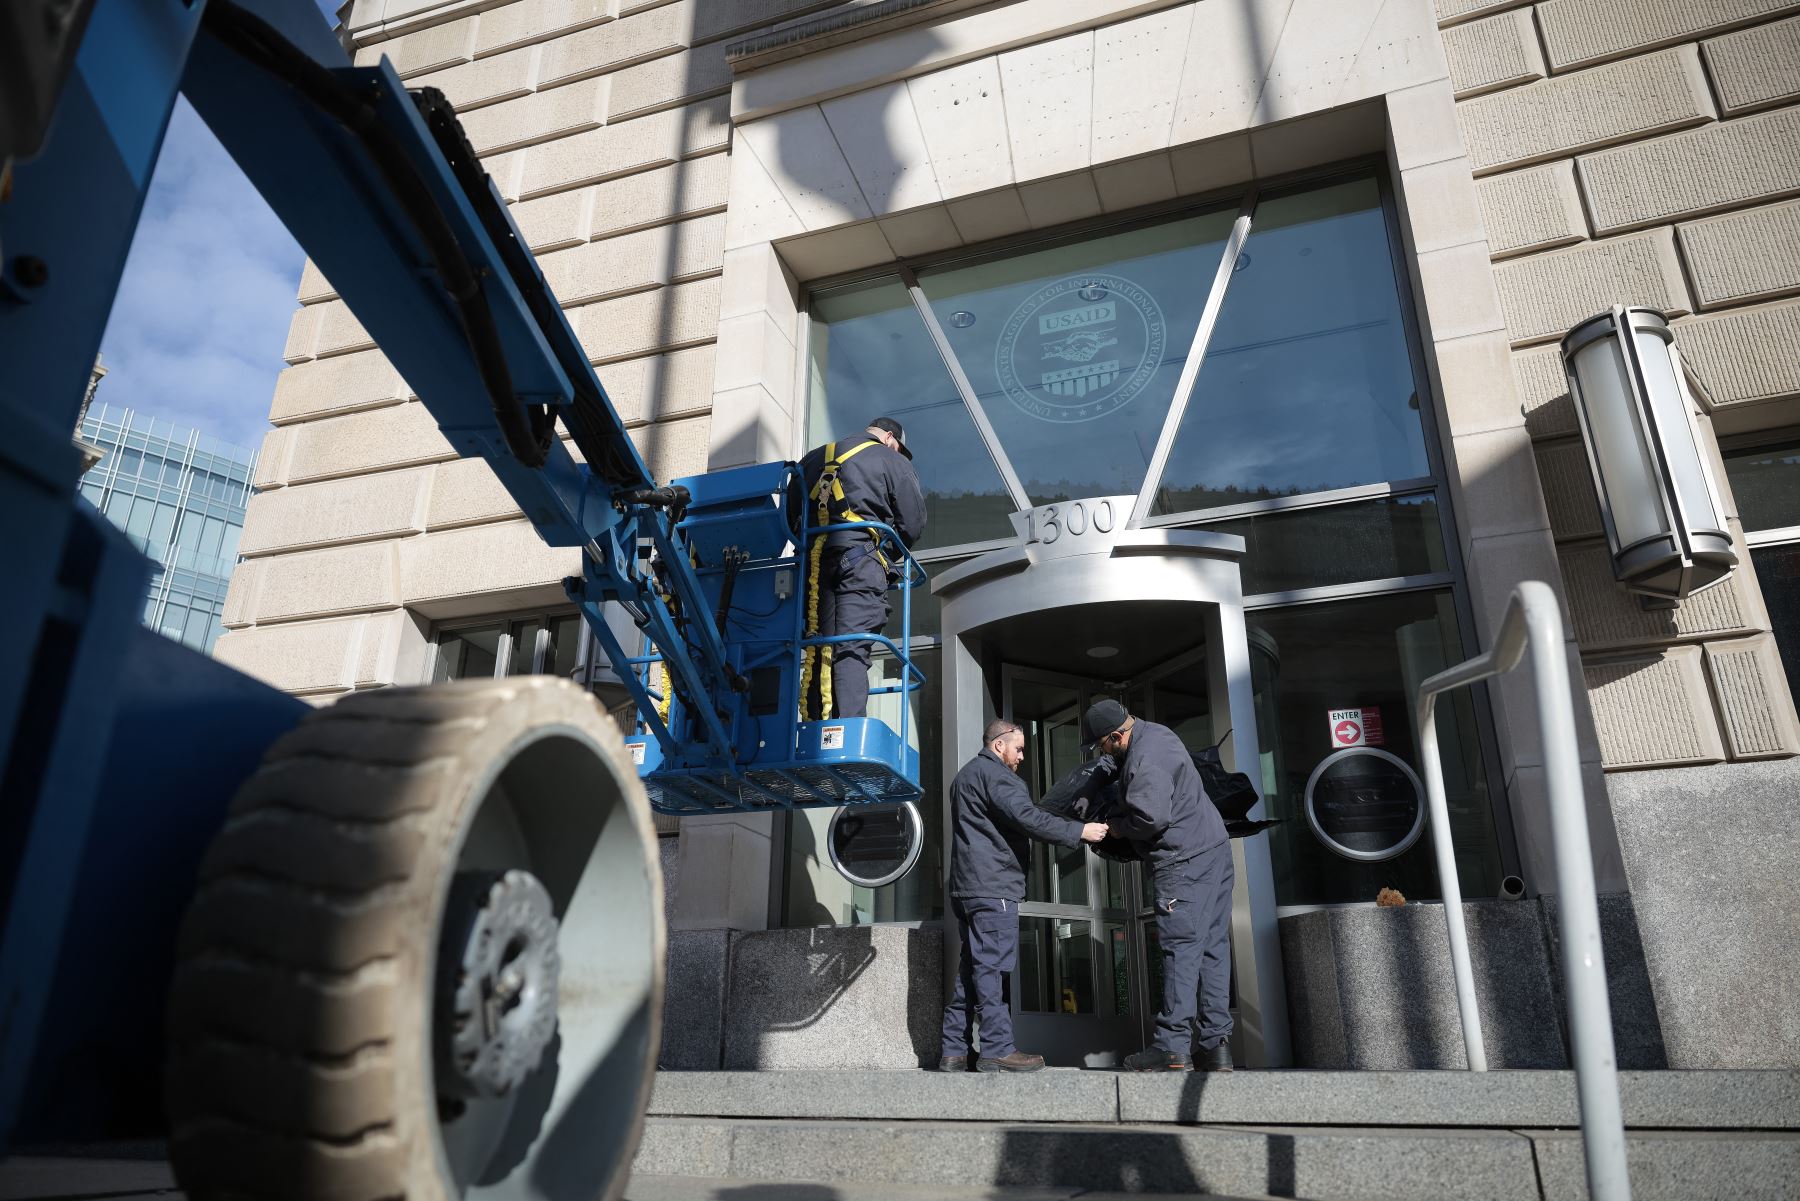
(1533, 622)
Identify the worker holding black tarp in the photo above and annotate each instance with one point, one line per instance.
(866, 478)
(1165, 813)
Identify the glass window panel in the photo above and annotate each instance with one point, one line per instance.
(94, 493)
(1181, 701)
(467, 654)
(1339, 544)
(927, 608)
(565, 642)
(1056, 966)
(1071, 875)
(1766, 484)
(198, 628)
(870, 356)
(210, 537)
(143, 511)
(173, 619)
(1115, 883)
(1031, 977)
(816, 895)
(523, 655)
(1074, 350)
(162, 525)
(1075, 961)
(1050, 713)
(1778, 571)
(129, 461)
(1372, 652)
(228, 546)
(1118, 949)
(118, 504)
(1307, 384)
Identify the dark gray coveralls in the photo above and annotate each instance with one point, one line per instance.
(992, 822)
(878, 485)
(1166, 813)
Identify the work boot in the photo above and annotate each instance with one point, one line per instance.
(1214, 1059)
(1155, 1059)
(954, 1063)
(1018, 1061)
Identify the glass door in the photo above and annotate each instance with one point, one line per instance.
(1078, 992)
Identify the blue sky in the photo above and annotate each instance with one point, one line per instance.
(201, 317)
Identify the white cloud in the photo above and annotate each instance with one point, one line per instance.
(202, 313)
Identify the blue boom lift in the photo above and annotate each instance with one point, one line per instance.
(409, 944)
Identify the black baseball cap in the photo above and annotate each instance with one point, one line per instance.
(1101, 719)
(891, 426)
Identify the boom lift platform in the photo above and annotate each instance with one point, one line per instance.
(738, 528)
(365, 998)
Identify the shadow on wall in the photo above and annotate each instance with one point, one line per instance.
(835, 959)
(1372, 989)
(880, 172)
(806, 861)
(833, 997)
(859, 136)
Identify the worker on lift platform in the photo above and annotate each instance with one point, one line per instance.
(870, 478)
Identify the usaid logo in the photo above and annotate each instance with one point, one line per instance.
(1080, 348)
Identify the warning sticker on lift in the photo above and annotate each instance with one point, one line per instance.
(637, 753)
(1355, 727)
(831, 738)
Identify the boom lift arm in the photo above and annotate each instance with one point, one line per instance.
(512, 806)
(500, 369)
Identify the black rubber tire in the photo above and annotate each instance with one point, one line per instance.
(299, 1019)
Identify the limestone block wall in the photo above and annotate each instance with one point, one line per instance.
(1646, 152)
(604, 123)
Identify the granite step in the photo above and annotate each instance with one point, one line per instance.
(709, 1188)
(1665, 1100)
(1346, 1163)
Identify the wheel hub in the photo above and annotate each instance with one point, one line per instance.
(497, 1010)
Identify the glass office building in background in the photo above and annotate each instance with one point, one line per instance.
(180, 496)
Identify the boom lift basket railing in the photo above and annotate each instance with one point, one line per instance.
(830, 762)
(1533, 622)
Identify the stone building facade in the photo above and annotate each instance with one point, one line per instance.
(698, 177)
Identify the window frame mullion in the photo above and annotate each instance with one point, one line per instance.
(910, 281)
(1190, 369)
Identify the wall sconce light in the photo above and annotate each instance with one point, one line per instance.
(1658, 500)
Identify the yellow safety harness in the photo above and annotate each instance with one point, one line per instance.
(815, 666)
